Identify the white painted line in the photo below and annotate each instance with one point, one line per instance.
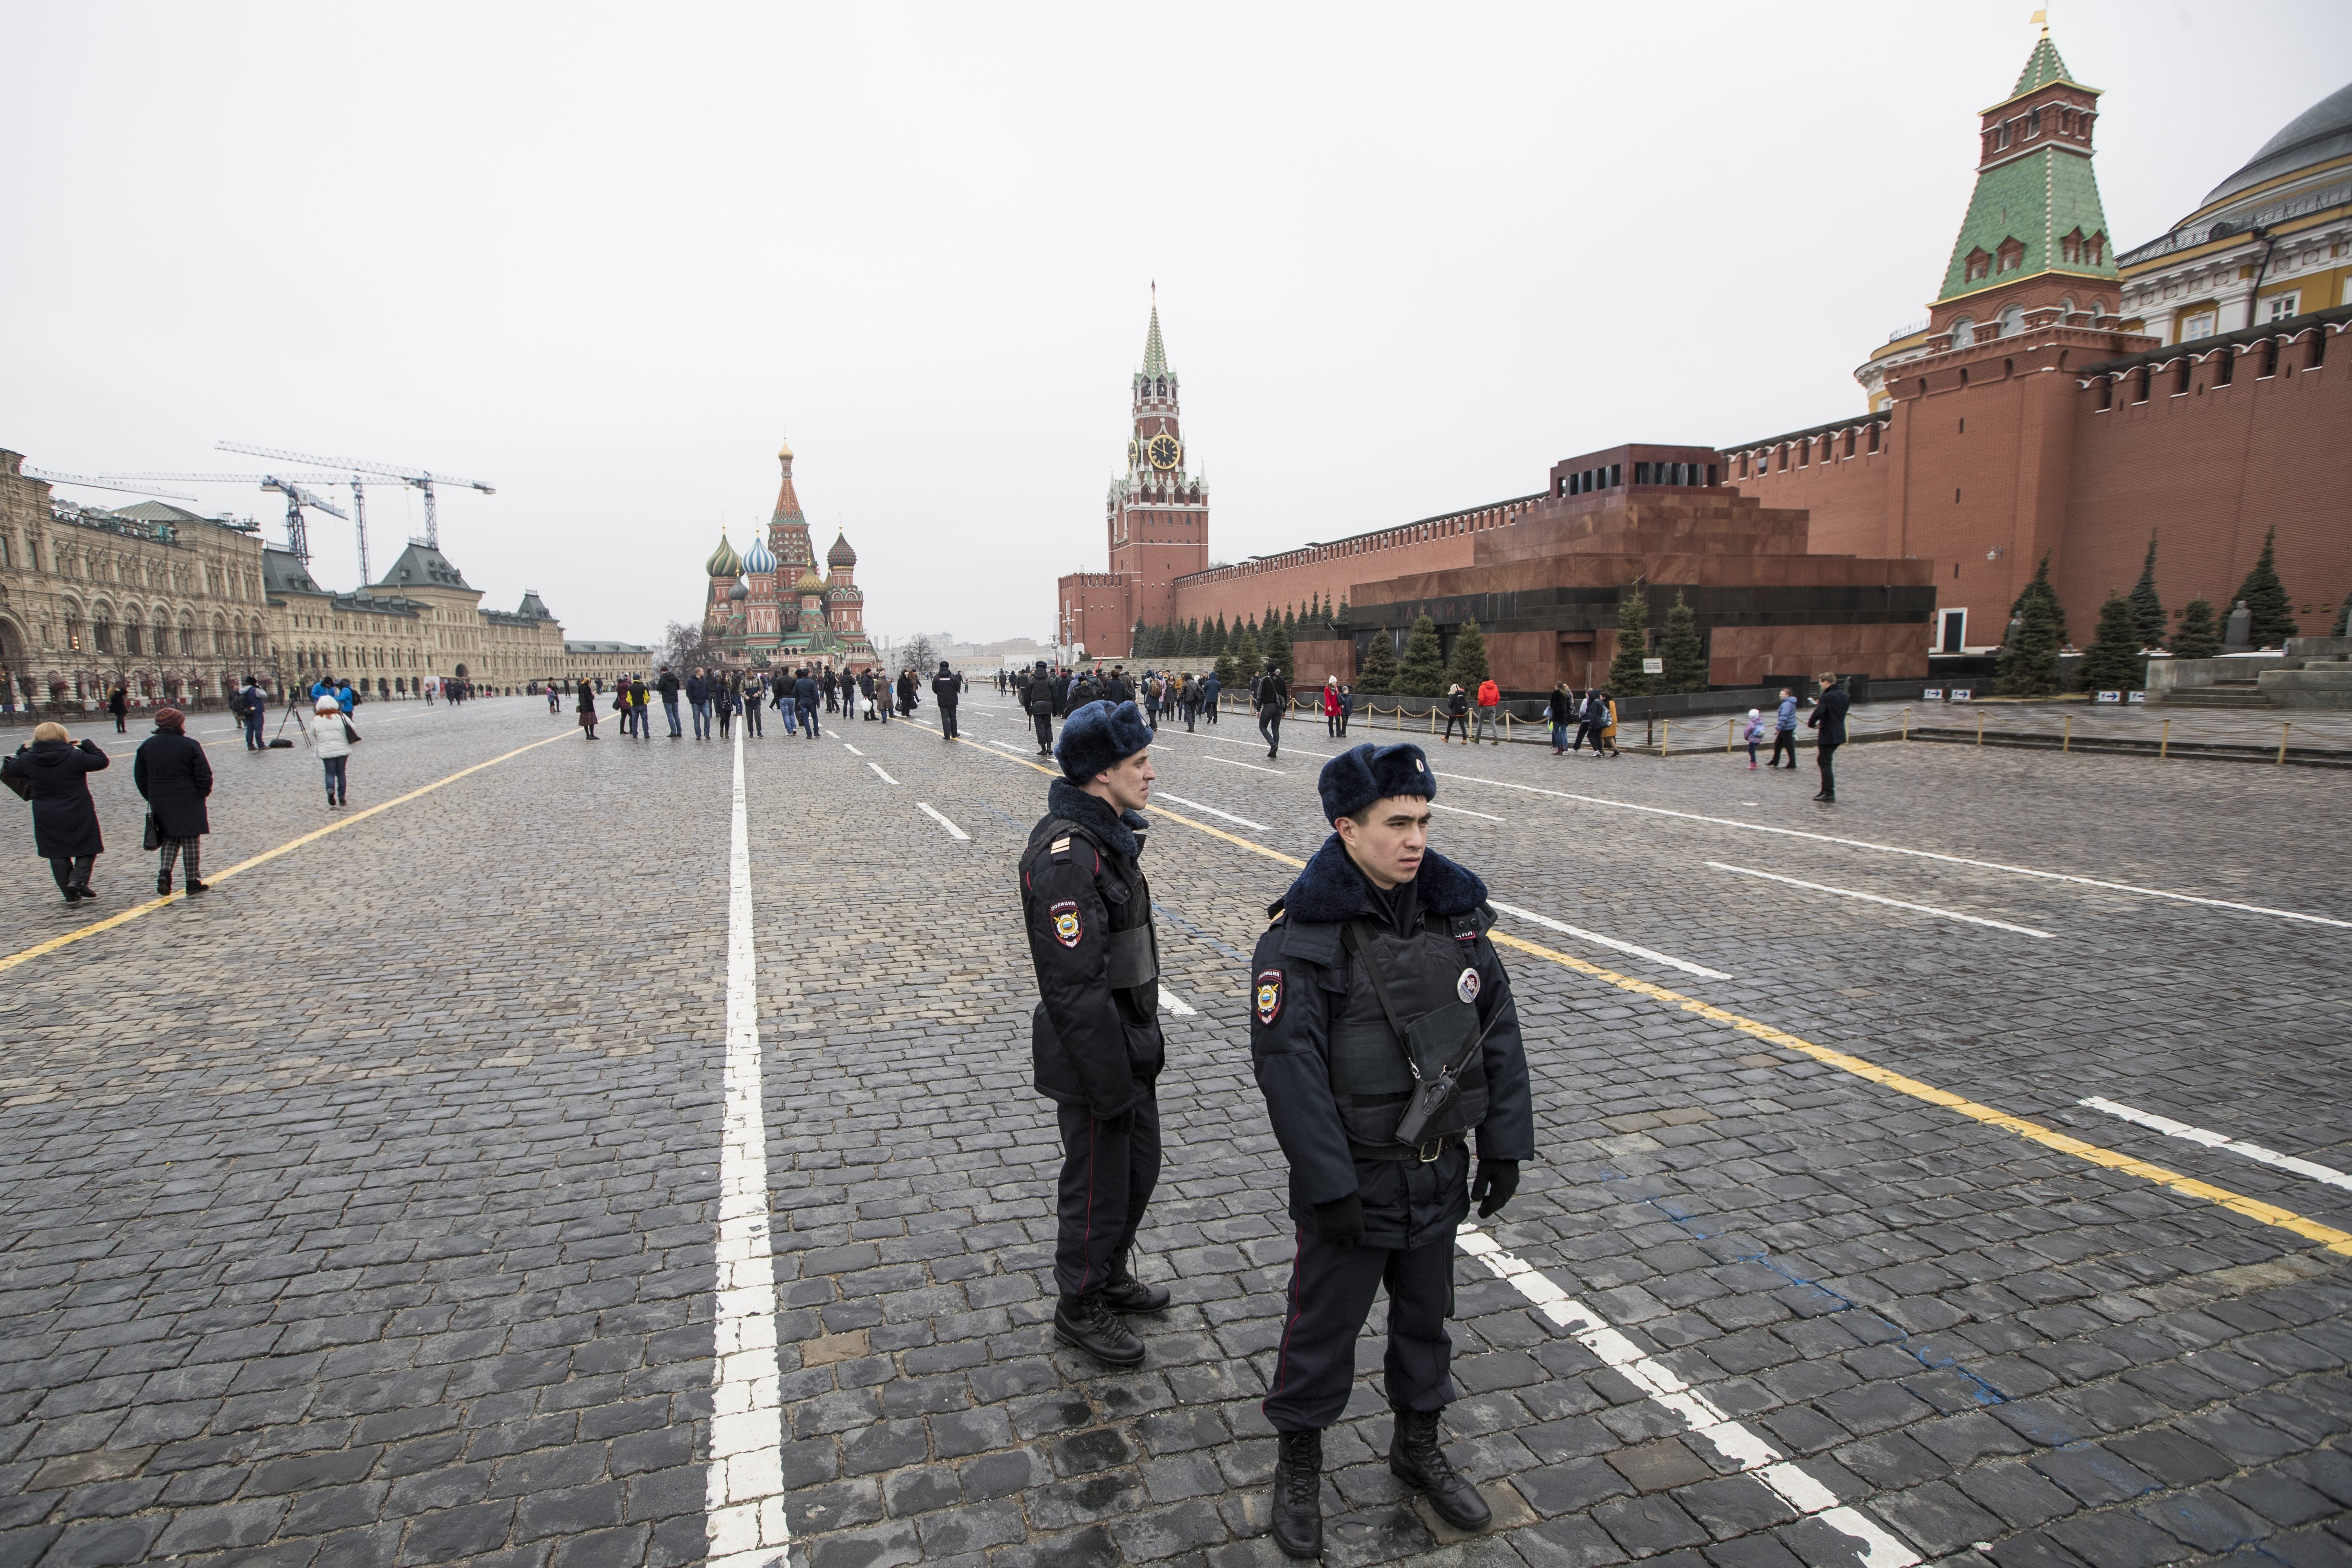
(1463, 811)
(1918, 854)
(1176, 1004)
(1228, 816)
(1890, 902)
(853, 750)
(942, 821)
(1735, 1440)
(1252, 767)
(1581, 934)
(2311, 1169)
(744, 1524)
(879, 774)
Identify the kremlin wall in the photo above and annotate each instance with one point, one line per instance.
(2030, 417)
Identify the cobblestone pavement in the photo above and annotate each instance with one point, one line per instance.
(402, 1252)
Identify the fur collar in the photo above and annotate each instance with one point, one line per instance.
(1331, 889)
(1121, 832)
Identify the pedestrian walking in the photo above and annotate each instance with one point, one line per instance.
(586, 706)
(754, 698)
(1347, 707)
(1754, 734)
(332, 738)
(1605, 742)
(174, 777)
(1211, 689)
(1557, 711)
(831, 688)
(1273, 700)
(698, 697)
(1457, 711)
(1585, 727)
(1383, 1036)
(1331, 706)
(806, 695)
(1490, 701)
(256, 704)
(555, 700)
(1094, 1040)
(1828, 725)
(723, 703)
(118, 702)
(668, 687)
(51, 772)
(1784, 731)
(1037, 697)
(946, 690)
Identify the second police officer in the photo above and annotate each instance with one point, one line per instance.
(1095, 1036)
(1379, 1011)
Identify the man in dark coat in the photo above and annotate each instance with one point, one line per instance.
(65, 818)
(1037, 696)
(1273, 698)
(257, 705)
(668, 687)
(1828, 723)
(118, 702)
(1095, 1036)
(1375, 982)
(697, 699)
(946, 691)
(173, 774)
(1209, 687)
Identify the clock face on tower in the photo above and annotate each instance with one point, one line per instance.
(1164, 451)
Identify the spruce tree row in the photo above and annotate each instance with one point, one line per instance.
(1272, 634)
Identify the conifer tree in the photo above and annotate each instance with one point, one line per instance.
(1468, 664)
(2266, 597)
(1342, 616)
(1224, 670)
(1138, 640)
(1244, 653)
(1277, 648)
(2199, 637)
(2343, 627)
(1290, 619)
(1379, 675)
(1685, 655)
(2112, 661)
(1221, 639)
(2029, 659)
(2040, 589)
(1192, 638)
(1626, 678)
(2147, 610)
(1422, 672)
(1315, 607)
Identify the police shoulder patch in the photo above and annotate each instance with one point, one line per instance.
(1067, 929)
(1268, 996)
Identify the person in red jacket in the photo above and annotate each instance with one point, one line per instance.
(1490, 698)
(1331, 706)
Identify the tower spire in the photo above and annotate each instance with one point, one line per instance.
(1155, 354)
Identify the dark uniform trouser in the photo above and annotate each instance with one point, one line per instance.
(1109, 1169)
(1045, 730)
(947, 720)
(1330, 1292)
(1824, 750)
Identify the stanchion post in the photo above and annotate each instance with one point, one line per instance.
(2066, 740)
(2164, 742)
(1730, 730)
(1667, 744)
(1980, 726)
(1907, 721)
(2285, 730)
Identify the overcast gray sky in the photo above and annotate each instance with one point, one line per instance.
(1408, 256)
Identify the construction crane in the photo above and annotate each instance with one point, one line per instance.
(270, 482)
(109, 482)
(424, 479)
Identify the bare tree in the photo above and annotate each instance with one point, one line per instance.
(687, 646)
(919, 655)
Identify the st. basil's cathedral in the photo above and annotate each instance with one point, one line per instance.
(768, 606)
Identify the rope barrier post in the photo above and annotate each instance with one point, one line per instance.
(1907, 721)
(2285, 730)
(1666, 745)
(1980, 726)
(2164, 744)
(1730, 729)
(2066, 742)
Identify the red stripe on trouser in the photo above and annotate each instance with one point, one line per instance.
(1086, 1243)
(1297, 1272)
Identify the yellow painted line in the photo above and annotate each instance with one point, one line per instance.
(2334, 1240)
(41, 948)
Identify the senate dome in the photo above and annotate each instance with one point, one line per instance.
(2320, 134)
(723, 561)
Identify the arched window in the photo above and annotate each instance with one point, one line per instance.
(1964, 333)
(2012, 322)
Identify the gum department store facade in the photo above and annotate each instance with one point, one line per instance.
(181, 607)
(2062, 400)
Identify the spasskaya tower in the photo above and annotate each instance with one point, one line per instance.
(1156, 520)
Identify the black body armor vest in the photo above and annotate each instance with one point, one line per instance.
(1424, 973)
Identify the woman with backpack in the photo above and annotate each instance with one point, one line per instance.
(1457, 711)
(1755, 736)
(333, 735)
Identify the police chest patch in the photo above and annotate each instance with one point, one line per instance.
(1066, 929)
(1269, 996)
(1467, 988)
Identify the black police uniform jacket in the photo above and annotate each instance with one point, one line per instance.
(1095, 1036)
(1330, 1067)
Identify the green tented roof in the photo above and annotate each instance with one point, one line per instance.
(2042, 67)
(2035, 200)
(1155, 355)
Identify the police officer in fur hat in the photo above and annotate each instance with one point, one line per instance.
(1095, 1036)
(1385, 1037)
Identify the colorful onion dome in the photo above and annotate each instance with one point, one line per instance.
(841, 554)
(759, 561)
(739, 592)
(723, 561)
(810, 582)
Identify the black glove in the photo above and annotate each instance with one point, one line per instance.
(1341, 1221)
(1491, 1187)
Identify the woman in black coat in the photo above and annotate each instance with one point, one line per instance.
(65, 818)
(172, 772)
(118, 702)
(587, 707)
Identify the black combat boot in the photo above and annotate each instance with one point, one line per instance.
(1086, 1322)
(1125, 1293)
(1298, 1523)
(1415, 1459)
